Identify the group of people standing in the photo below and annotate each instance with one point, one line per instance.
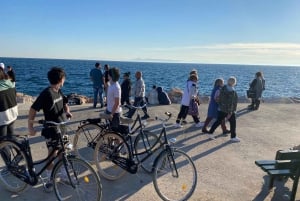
(222, 106)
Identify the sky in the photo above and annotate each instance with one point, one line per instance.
(264, 32)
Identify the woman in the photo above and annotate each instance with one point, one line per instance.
(190, 92)
(212, 112)
(8, 106)
(258, 86)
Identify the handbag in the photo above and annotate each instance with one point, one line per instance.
(251, 93)
(193, 108)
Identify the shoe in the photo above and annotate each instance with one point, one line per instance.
(199, 124)
(226, 132)
(204, 130)
(178, 125)
(48, 186)
(235, 139)
(146, 116)
(184, 122)
(211, 136)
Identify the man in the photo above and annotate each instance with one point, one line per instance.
(139, 93)
(54, 105)
(96, 76)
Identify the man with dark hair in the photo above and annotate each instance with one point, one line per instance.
(54, 105)
(96, 76)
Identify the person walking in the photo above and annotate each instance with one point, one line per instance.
(114, 98)
(126, 89)
(55, 108)
(96, 76)
(228, 99)
(212, 112)
(258, 86)
(8, 106)
(190, 92)
(139, 93)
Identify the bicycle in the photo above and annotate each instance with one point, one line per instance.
(73, 178)
(174, 172)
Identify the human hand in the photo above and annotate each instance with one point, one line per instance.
(69, 115)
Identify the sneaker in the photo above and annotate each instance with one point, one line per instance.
(146, 116)
(199, 124)
(211, 136)
(204, 130)
(235, 139)
(178, 125)
(226, 132)
(184, 122)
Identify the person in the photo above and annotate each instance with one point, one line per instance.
(228, 99)
(212, 112)
(163, 97)
(11, 74)
(258, 86)
(114, 98)
(8, 106)
(55, 108)
(126, 89)
(139, 93)
(106, 80)
(97, 79)
(152, 96)
(190, 92)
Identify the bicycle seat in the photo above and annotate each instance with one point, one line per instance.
(93, 121)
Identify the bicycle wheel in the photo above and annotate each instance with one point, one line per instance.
(144, 146)
(83, 184)
(85, 141)
(12, 159)
(110, 146)
(175, 175)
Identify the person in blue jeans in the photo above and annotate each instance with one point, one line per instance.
(97, 78)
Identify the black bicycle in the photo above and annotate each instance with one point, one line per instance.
(17, 168)
(174, 172)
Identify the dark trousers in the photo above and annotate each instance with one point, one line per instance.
(221, 117)
(138, 101)
(183, 113)
(115, 122)
(98, 91)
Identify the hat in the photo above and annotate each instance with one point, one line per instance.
(2, 65)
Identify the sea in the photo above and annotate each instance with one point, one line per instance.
(31, 75)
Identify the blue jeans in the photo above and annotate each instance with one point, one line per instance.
(98, 91)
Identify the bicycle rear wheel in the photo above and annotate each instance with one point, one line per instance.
(143, 145)
(12, 159)
(175, 175)
(83, 184)
(85, 141)
(110, 146)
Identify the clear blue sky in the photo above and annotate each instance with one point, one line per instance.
(199, 31)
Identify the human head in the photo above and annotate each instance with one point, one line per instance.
(106, 67)
(56, 75)
(2, 65)
(259, 74)
(97, 65)
(231, 81)
(154, 87)
(193, 77)
(194, 71)
(219, 82)
(114, 74)
(126, 75)
(9, 68)
(2, 74)
(138, 74)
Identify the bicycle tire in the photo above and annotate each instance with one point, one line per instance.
(87, 185)
(13, 153)
(166, 184)
(106, 146)
(141, 150)
(85, 141)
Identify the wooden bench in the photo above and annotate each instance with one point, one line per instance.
(286, 164)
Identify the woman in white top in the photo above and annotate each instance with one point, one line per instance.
(190, 92)
(114, 97)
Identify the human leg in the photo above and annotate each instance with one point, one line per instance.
(132, 110)
(204, 127)
(100, 93)
(224, 128)
(221, 116)
(257, 103)
(95, 96)
(232, 121)
(182, 113)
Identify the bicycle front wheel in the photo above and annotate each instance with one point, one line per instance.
(175, 175)
(85, 141)
(80, 182)
(12, 159)
(111, 146)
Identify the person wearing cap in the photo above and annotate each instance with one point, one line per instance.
(2, 66)
(8, 105)
(96, 76)
(125, 89)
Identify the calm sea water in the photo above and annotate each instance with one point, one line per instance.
(31, 75)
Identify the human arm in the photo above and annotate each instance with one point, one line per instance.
(31, 116)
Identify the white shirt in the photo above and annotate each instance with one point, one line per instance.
(113, 91)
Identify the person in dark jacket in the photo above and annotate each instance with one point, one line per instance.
(163, 97)
(126, 89)
(257, 85)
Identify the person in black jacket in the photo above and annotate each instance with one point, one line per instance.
(163, 97)
(126, 89)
